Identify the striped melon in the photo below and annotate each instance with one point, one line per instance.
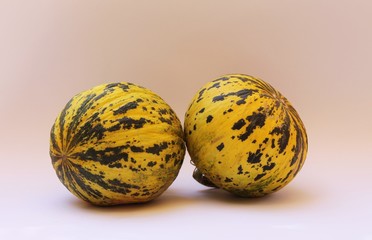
(117, 143)
(244, 137)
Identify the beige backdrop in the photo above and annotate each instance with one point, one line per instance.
(317, 53)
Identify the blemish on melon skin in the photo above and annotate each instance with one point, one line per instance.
(228, 180)
(240, 170)
(216, 85)
(218, 98)
(157, 148)
(136, 149)
(273, 143)
(256, 120)
(268, 167)
(227, 111)
(254, 157)
(288, 174)
(125, 108)
(259, 176)
(239, 124)
(209, 118)
(220, 147)
(151, 164)
(242, 94)
(201, 92)
(284, 139)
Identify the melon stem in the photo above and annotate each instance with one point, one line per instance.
(202, 179)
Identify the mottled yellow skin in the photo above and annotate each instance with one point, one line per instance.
(244, 136)
(117, 143)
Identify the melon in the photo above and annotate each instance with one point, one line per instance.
(244, 136)
(117, 143)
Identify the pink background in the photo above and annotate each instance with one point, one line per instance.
(317, 53)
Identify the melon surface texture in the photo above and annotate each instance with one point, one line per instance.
(117, 143)
(244, 136)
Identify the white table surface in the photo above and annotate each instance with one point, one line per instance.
(329, 199)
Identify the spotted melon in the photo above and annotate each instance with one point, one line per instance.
(244, 136)
(117, 143)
